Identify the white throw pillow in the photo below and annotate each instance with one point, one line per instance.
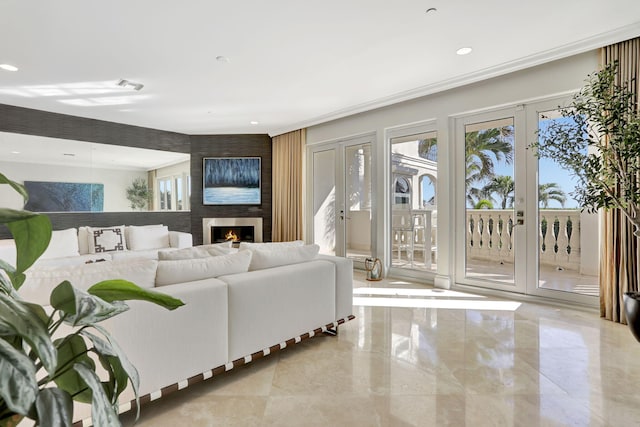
(106, 239)
(63, 243)
(268, 258)
(270, 245)
(147, 237)
(40, 281)
(83, 240)
(188, 270)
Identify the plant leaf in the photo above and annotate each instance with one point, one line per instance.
(102, 412)
(63, 298)
(32, 236)
(18, 385)
(55, 408)
(126, 365)
(81, 307)
(71, 350)
(18, 187)
(122, 290)
(20, 319)
(109, 359)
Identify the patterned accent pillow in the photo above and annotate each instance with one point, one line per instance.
(107, 239)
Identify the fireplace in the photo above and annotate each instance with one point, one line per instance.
(238, 233)
(246, 229)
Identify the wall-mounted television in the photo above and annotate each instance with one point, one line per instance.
(231, 181)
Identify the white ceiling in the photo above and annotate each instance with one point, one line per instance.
(291, 63)
(32, 149)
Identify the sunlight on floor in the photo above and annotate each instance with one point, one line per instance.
(431, 303)
(440, 293)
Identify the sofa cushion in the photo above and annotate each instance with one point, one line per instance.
(40, 281)
(188, 270)
(268, 258)
(63, 243)
(270, 245)
(74, 260)
(147, 237)
(202, 251)
(106, 239)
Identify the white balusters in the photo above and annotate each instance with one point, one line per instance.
(490, 236)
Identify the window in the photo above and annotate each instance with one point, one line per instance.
(171, 192)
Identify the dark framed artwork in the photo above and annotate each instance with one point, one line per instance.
(47, 196)
(231, 181)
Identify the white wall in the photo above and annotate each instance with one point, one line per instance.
(545, 80)
(178, 169)
(115, 181)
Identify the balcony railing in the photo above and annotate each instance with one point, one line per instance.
(490, 237)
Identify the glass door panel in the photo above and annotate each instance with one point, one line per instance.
(489, 200)
(414, 173)
(568, 258)
(357, 215)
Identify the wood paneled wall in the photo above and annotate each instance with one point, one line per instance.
(229, 146)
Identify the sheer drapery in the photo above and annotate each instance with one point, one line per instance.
(288, 152)
(619, 247)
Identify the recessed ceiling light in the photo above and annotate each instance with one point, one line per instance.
(221, 58)
(15, 152)
(464, 51)
(254, 122)
(431, 10)
(8, 67)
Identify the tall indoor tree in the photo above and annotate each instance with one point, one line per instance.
(599, 145)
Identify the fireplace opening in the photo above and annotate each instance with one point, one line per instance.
(236, 233)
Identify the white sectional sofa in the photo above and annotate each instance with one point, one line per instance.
(86, 244)
(239, 306)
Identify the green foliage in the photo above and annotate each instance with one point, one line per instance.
(483, 204)
(482, 149)
(600, 144)
(139, 194)
(551, 191)
(41, 376)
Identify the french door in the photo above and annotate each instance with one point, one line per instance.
(341, 208)
(518, 228)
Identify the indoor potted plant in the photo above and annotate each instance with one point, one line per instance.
(139, 194)
(599, 143)
(41, 373)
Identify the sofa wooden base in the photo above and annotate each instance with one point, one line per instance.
(331, 329)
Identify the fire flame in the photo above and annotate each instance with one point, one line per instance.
(231, 236)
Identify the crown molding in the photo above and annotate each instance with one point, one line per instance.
(564, 51)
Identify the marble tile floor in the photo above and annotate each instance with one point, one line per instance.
(417, 356)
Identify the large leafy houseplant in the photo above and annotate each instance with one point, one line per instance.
(44, 369)
(598, 141)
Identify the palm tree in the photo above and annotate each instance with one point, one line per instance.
(484, 204)
(504, 187)
(428, 149)
(484, 147)
(477, 195)
(550, 191)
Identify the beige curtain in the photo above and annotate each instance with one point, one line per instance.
(288, 151)
(152, 183)
(619, 247)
